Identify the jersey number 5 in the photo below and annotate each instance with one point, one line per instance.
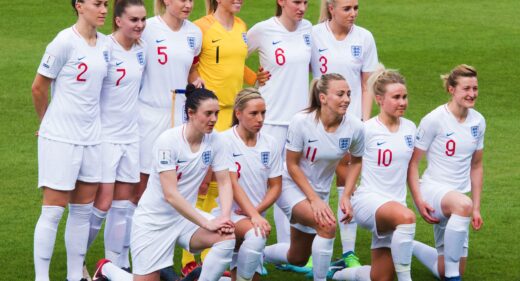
(163, 56)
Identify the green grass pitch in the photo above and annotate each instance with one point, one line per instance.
(420, 38)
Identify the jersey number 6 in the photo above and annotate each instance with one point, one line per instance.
(279, 56)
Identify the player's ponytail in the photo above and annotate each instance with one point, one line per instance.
(243, 97)
(461, 70)
(320, 86)
(382, 77)
(278, 9)
(159, 7)
(119, 9)
(73, 2)
(211, 6)
(194, 96)
(324, 10)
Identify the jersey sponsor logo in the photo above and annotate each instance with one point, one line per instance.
(474, 131)
(237, 154)
(48, 60)
(140, 58)
(307, 39)
(344, 143)
(244, 36)
(165, 156)
(206, 157)
(409, 140)
(215, 41)
(380, 143)
(159, 40)
(450, 134)
(191, 42)
(105, 55)
(81, 58)
(356, 51)
(265, 155)
(181, 161)
(118, 63)
(322, 50)
(277, 42)
(309, 140)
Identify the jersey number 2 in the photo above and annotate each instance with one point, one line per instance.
(85, 68)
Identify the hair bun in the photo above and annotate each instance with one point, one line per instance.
(190, 89)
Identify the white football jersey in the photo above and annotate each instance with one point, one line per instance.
(386, 158)
(170, 56)
(321, 150)
(119, 93)
(253, 165)
(286, 55)
(77, 70)
(449, 146)
(172, 152)
(349, 57)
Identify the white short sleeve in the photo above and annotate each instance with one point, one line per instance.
(165, 157)
(253, 39)
(221, 159)
(357, 148)
(480, 144)
(426, 133)
(55, 57)
(295, 139)
(371, 61)
(276, 162)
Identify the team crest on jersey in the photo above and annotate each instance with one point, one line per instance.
(409, 140)
(206, 157)
(356, 51)
(244, 36)
(344, 143)
(165, 156)
(265, 158)
(140, 58)
(191, 42)
(474, 131)
(307, 39)
(105, 56)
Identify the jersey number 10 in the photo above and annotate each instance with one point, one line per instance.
(384, 157)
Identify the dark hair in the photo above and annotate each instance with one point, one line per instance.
(119, 9)
(194, 96)
(73, 2)
(321, 85)
(278, 9)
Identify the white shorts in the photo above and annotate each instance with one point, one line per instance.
(152, 123)
(152, 250)
(292, 195)
(61, 164)
(365, 204)
(120, 162)
(279, 133)
(433, 195)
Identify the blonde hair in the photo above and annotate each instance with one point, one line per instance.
(243, 97)
(159, 7)
(461, 70)
(320, 85)
(381, 78)
(324, 10)
(211, 6)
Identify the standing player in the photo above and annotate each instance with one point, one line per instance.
(340, 46)
(173, 42)
(379, 203)
(284, 46)
(256, 179)
(119, 132)
(69, 138)
(316, 141)
(452, 137)
(166, 214)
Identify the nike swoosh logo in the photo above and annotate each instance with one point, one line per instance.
(82, 58)
(119, 63)
(276, 42)
(215, 41)
(322, 50)
(236, 155)
(309, 141)
(449, 134)
(181, 161)
(380, 143)
(159, 40)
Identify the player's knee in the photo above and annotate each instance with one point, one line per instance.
(464, 207)
(299, 260)
(327, 231)
(407, 217)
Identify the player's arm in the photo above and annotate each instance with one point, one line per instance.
(194, 76)
(350, 173)
(40, 94)
(273, 192)
(225, 192)
(366, 97)
(323, 215)
(413, 184)
(251, 78)
(476, 176)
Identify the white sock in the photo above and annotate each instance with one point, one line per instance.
(321, 257)
(44, 239)
(454, 237)
(401, 248)
(427, 255)
(283, 226)
(360, 273)
(249, 255)
(96, 220)
(114, 273)
(276, 253)
(115, 230)
(76, 238)
(217, 260)
(347, 231)
(124, 260)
